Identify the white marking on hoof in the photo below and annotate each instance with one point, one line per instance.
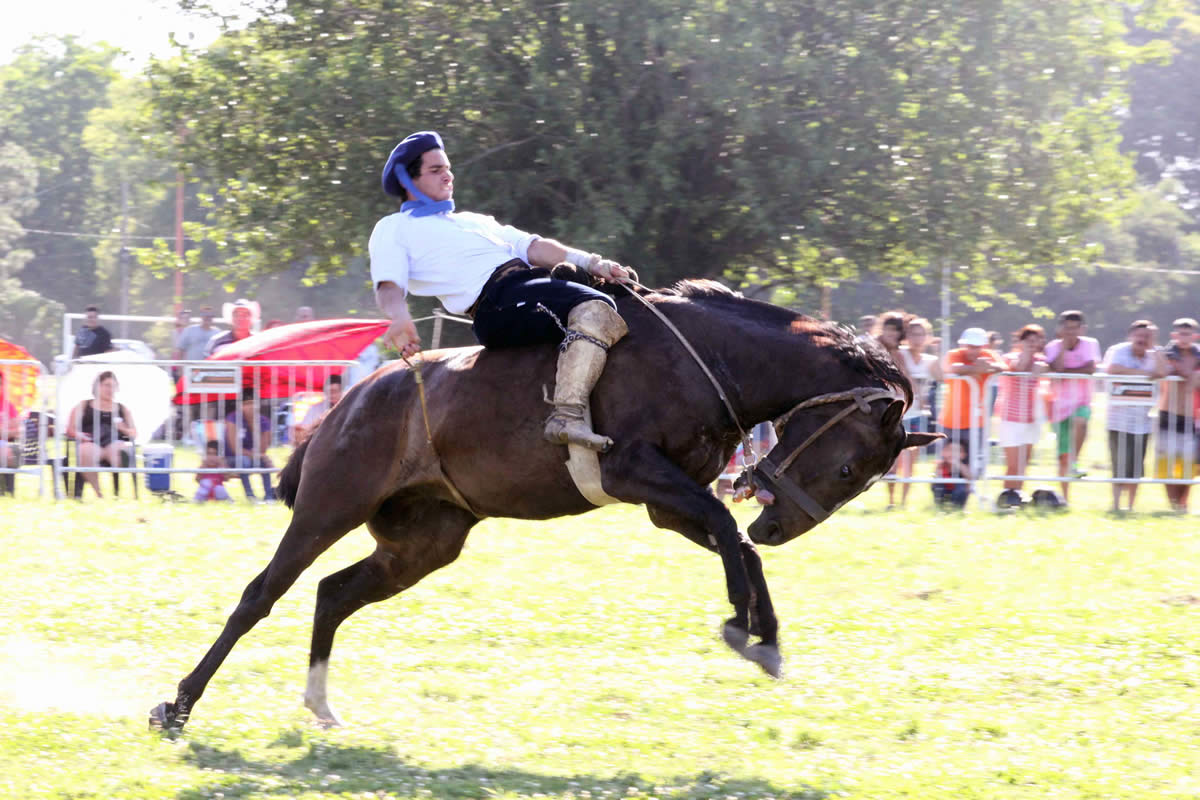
(735, 637)
(766, 656)
(314, 696)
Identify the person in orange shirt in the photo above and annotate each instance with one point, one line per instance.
(976, 363)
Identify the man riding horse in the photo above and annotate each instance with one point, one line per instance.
(488, 271)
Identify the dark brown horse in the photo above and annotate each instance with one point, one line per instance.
(370, 461)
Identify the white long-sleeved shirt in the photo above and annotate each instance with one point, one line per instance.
(449, 255)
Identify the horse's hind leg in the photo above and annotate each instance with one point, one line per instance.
(300, 546)
(413, 540)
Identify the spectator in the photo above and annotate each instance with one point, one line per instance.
(333, 393)
(192, 342)
(183, 318)
(103, 429)
(305, 314)
(1071, 398)
(1177, 439)
(92, 338)
(1128, 406)
(11, 429)
(922, 367)
(933, 395)
(242, 317)
(889, 333)
(866, 324)
(952, 464)
(211, 485)
(247, 437)
(366, 362)
(975, 363)
(996, 345)
(1019, 410)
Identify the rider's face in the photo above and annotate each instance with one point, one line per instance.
(436, 181)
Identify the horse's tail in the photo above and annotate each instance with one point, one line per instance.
(289, 476)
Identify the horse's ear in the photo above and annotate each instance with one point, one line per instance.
(922, 439)
(891, 417)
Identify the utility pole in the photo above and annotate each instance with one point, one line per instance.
(123, 257)
(945, 305)
(178, 241)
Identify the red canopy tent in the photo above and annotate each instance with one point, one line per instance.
(20, 380)
(318, 340)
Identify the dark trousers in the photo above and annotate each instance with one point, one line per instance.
(953, 494)
(245, 461)
(508, 313)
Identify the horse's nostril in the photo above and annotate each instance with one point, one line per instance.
(773, 531)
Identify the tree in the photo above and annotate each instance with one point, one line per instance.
(796, 142)
(131, 196)
(1162, 127)
(26, 317)
(49, 88)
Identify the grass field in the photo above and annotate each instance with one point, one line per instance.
(929, 656)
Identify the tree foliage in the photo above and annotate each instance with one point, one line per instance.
(25, 316)
(797, 140)
(1162, 127)
(49, 89)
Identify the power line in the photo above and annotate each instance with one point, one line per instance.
(1148, 269)
(74, 234)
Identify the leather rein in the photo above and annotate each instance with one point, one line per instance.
(765, 469)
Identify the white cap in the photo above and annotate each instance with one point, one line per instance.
(974, 336)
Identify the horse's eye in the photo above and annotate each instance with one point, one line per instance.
(845, 470)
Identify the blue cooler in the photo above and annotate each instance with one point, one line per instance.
(158, 456)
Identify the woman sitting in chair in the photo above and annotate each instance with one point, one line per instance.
(103, 428)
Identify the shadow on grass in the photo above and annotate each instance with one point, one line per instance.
(352, 770)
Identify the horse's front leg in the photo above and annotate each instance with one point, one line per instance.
(763, 621)
(640, 473)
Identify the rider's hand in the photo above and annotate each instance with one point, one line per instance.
(402, 335)
(607, 270)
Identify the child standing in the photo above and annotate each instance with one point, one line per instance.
(211, 485)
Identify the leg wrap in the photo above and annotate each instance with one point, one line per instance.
(592, 328)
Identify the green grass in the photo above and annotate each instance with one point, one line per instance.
(959, 656)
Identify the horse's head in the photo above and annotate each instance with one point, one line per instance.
(830, 449)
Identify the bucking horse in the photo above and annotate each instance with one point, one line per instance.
(421, 453)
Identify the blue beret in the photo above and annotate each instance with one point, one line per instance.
(405, 153)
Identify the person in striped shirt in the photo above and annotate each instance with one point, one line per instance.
(1017, 407)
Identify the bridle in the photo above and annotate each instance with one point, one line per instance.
(860, 399)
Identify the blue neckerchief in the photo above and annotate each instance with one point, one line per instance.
(423, 206)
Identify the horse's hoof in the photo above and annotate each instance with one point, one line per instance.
(164, 718)
(326, 719)
(767, 657)
(735, 636)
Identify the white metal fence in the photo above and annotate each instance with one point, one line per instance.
(1138, 431)
(117, 416)
(1068, 429)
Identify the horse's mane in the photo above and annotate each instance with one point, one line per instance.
(865, 356)
(862, 355)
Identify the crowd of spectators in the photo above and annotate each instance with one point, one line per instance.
(102, 429)
(1036, 385)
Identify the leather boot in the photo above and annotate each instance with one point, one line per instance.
(579, 366)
